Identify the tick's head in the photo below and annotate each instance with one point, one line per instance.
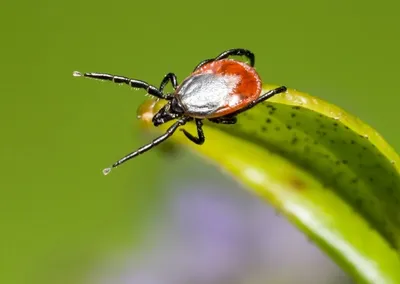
(170, 111)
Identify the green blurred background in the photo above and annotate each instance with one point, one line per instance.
(59, 214)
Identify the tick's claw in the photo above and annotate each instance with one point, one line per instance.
(106, 171)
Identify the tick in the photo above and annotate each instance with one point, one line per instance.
(218, 89)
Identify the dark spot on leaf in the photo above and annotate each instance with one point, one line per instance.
(297, 183)
(293, 114)
(282, 152)
(354, 180)
(338, 163)
(346, 127)
(325, 184)
(320, 115)
(345, 162)
(332, 141)
(263, 129)
(335, 124)
(271, 112)
(294, 140)
(353, 142)
(288, 127)
(295, 107)
(269, 106)
(268, 120)
(359, 202)
(371, 179)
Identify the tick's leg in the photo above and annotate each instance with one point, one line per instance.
(238, 52)
(224, 120)
(169, 77)
(124, 80)
(147, 147)
(232, 52)
(260, 99)
(202, 63)
(200, 139)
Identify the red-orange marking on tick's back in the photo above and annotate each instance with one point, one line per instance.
(247, 90)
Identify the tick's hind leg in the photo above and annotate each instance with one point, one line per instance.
(200, 139)
(202, 63)
(224, 120)
(260, 99)
(238, 52)
(231, 52)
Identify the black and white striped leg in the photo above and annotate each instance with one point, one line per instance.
(224, 120)
(149, 146)
(202, 63)
(134, 83)
(200, 139)
(170, 77)
(238, 52)
(231, 52)
(260, 99)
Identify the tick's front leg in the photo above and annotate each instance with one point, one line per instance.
(200, 139)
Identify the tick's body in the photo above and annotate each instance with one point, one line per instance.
(218, 89)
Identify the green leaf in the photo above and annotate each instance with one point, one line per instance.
(328, 172)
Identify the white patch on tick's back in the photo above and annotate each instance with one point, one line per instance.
(234, 100)
(204, 94)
